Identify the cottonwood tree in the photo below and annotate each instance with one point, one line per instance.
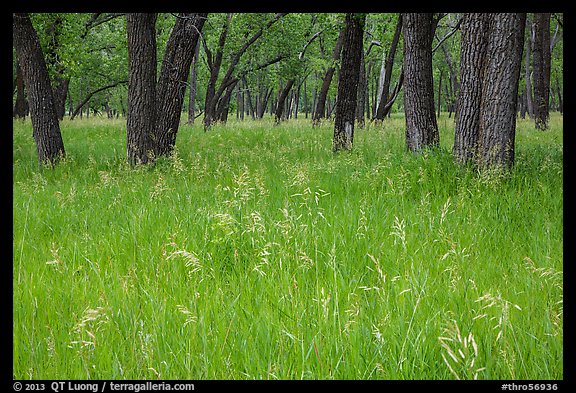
(141, 121)
(491, 56)
(45, 125)
(421, 126)
(348, 82)
(174, 72)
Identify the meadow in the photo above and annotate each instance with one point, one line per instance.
(254, 252)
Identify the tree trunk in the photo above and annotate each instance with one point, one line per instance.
(421, 126)
(541, 58)
(491, 55)
(192, 93)
(348, 82)
(171, 85)
(384, 98)
(319, 111)
(500, 90)
(141, 122)
(361, 93)
(20, 104)
(45, 125)
(528, 74)
(281, 100)
(474, 38)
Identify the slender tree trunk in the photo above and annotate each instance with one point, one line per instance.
(281, 100)
(141, 121)
(192, 93)
(384, 98)
(421, 126)
(528, 74)
(361, 93)
(45, 125)
(320, 108)
(20, 104)
(541, 57)
(348, 82)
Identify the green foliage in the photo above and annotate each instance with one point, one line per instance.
(255, 253)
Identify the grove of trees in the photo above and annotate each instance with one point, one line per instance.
(484, 68)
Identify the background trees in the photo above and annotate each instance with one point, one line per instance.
(282, 65)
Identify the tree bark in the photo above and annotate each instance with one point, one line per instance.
(421, 126)
(171, 85)
(348, 82)
(491, 57)
(541, 58)
(472, 54)
(500, 90)
(141, 122)
(45, 125)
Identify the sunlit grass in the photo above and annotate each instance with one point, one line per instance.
(254, 252)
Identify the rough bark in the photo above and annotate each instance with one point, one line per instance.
(472, 54)
(500, 90)
(141, 122)
(173, 78)
(491, 58)
(348, 82)
(45, 125)
(421, 126)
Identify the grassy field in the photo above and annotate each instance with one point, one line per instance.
(256, 253)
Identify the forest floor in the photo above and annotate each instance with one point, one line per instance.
(254, 252)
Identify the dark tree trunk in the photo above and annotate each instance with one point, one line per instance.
(541, 58)
(20, 104)
(223, 106)
(320, 109)
(454, 83)
(528, 74)
(348, 82)
(281, 100)
(421, 126)
(214, 65)
(45, 125)
(491, 57)
(192, 93)
(141, 122)
(500, 90)
(173, 78)
(384, 98)
(474, 32)
(560, 100)
(361, 93)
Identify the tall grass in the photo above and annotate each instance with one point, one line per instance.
(254, 252)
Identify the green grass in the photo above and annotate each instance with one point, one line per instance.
(256, 253)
